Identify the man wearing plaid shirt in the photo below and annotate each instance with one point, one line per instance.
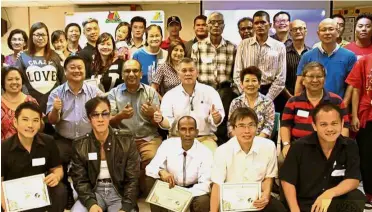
(214, 56)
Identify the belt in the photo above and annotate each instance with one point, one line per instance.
(106, 180)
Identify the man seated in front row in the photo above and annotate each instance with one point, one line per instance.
(30, 153)
(246, 158)
(105, 165)
(185, 162)
(321, 171)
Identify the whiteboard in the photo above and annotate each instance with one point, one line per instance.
(108, 20)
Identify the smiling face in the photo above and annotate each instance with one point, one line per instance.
(132, 73)
(100, 118)
(328, 125)
(178, 53)
(17, 42)
(363, 29)
(91, 31)
(13, 82)
(327, 31)
(245, 130)
(122, 33)
(75, 71)
(281, 23)
(105, 47)
(154, 37)
(27, 123)
(73, 34)
(314, 79)
(250, 84)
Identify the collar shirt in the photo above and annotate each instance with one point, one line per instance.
(342, 44)
(270, 58)
(73, 121)
(288, 42)
(133, 48)
(139, 125)
(177, 103)
(232, 165)
(192, 169)
(215, 64)
(324, 52)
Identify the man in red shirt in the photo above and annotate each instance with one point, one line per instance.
(360, 78)
(174, 27)
(363, 36)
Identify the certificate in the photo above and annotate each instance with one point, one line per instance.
(239, 196)
(26, 193)
(176, 199)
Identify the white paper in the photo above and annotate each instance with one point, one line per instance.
(303, 113)
(92, 155)
(338, 173)
(38, 161)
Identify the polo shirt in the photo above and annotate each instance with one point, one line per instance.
(298, 110)
(16, 161)
(337, 65)
(307, 168)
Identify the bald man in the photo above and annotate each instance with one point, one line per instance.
(340, 20)
(337, 61)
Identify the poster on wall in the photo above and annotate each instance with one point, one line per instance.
(110, 19)
(349, 29)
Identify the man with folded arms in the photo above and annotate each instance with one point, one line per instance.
(185, 162)
(246, 158)
(321, 171)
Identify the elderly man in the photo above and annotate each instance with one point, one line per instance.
(185, 162)
(340, 21)
(214, 56)
(281, 26)
(195, 99)
(201, 32)
(132, 108)
(337, 61)
(245, 26)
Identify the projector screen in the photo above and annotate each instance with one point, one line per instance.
(312, 12)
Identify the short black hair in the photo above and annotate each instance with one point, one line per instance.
(244, 19)
(56, 34)
(242, 113)
(186, 117)
(92, 104)
(89, 20)
(200, 17)
(5, 71)
(186, 60)
(282, 13)
(138, 19)
(338, 16)
(326, 106)
(71, 25)
(129, 36)
(363, 15)
(262, 13)
(251, 70)
(17, 31)
(71, 58)
(28, 105)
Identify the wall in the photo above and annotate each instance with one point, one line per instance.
(54, 17)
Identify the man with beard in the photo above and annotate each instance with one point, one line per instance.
(201, 32)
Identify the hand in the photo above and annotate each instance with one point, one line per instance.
(95, 208)
(148, 109)
(57, 104)
(167, 177)
(261, 202)
(127, 111)
(285, 150)
(158, 117)
(322, 203)
(355, 124)
(215, 114)
(51, 180)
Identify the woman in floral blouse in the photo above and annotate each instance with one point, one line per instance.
(250, 79)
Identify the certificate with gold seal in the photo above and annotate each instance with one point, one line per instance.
(239, 196)
(26, 193)
(176, 199)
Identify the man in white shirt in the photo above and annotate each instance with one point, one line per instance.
(183, 161)
(246, 158)
(195, 99)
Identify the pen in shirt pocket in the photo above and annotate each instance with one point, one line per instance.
(334, 164)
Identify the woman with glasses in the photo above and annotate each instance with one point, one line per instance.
(151, 54)
(123, 35)
(250, 79)
(106, 68)
(17, 41)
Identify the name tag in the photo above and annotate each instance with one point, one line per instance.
(303, 113)
(38, 161)
(113, 67)
(338, 173)
(92, 155)
(207, 59)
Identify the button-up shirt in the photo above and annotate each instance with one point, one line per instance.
(73, 121)
(197, 173)
(215, 64)
(133, 48)
(232, 165)
(270, 58)
(177, 103)
(307, 168)
(139, 124)
(287, 43)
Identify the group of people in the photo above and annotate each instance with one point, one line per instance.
(125, 111)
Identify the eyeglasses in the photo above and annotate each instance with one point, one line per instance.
(40, 35)
(281, 21)
(105, 115)
(214, 22)
(314, 77)
(246, 126)
(298, 28)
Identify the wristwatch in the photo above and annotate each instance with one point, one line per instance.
(285, 143)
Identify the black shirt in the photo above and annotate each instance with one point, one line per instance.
(17, 162)
(307, 168)
(112, 77)
(293, 58)
(87, 55)
(288, 42)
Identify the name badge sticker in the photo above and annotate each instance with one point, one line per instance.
(207, 59)
(303, 113)
(92, 155)
(338, 173)
(38, 161)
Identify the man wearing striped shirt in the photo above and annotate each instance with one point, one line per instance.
(267, 54)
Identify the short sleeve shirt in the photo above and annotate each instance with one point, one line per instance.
(166, 77)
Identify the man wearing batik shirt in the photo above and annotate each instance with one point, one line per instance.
(360, 78)
(267, 54)
(214, 56)
(363, 36)
(281, 26)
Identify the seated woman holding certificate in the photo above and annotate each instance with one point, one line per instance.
(246, 159)
(185, 162)
(26, 154)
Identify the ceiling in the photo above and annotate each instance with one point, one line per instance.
(45, 3)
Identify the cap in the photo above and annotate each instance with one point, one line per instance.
(173, 19)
